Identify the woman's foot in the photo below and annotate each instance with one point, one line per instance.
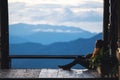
(64, 67)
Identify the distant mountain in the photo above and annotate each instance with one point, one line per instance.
(45, 34)
(75, 47)
(17, 40)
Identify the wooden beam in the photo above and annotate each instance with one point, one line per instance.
(4, 34)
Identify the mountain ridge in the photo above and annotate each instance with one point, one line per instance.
(74, 47)
(45, 34)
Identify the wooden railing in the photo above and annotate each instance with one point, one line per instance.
(43, 56)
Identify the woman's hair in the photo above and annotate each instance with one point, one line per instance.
(99, 43)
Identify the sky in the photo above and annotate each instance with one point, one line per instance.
(84, 14)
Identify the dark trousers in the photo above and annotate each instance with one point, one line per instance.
(82, 60)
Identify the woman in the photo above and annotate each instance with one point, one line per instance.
(84, 60)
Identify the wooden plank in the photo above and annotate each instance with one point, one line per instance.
(32, 73)
(65, 74)
(20, 73)
(17, 73)
(48, 73)
(52, 73)
(43, 73)
(85, 73)
(5, 73)
(77, 73)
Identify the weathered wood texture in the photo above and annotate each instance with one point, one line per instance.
(48, 73)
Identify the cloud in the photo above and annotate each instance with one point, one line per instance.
(88, 26)
(61, 14)
(81, 16)
(61, 2)
(43, 30)
(56, 13)
(91, 4)
(56, 30)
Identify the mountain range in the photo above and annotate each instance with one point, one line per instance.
(75, 47)
(45, 34)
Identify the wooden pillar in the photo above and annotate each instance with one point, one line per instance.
(118, 25)
(4, 34)
(105, 23)
(110, 36)
(0, 36)
(113, 27)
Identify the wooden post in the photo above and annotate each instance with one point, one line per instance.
(0, 34)
(118, 26)
(105, 23)
(113, 27)
(109, 35)
(4, 34)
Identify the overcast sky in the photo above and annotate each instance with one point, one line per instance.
(85, 14)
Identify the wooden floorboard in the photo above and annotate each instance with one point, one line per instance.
(20, 73)
(77, 73)
(48, 73)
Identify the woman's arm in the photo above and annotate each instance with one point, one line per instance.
(95, 52)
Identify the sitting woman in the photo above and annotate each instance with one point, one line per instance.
(84, 60)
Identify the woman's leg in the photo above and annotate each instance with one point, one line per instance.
(78, 60)
(85, 63)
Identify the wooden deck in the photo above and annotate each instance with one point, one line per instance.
(48, 73)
